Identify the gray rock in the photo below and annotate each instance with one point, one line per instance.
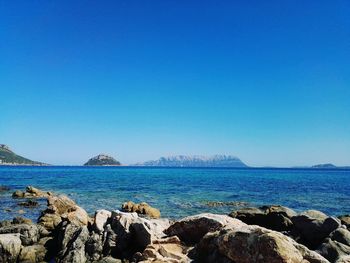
(345, 220)
(333, 250)
(10, 247)
(132, 233)
(94, 247)
(273, 217)
(246, 244)
(71, 241)
(341, 235)
(32, 254)
(29, 233)
(314, 227)
(100, 219)
(191, 229)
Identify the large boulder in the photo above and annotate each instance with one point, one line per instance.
(191, 229)
(314, 226)
(10, 247)
(29, 233)
(61, 207)
(273, 217)
(246, 244)
(133, 233)
(142, 208)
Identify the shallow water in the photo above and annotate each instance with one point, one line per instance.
(178, 192)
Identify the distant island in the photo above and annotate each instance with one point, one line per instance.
(8, 157)
(102, 160)
(196, 161)
(324, 166)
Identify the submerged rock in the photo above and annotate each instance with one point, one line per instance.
(4, 188)
(31, 192)
(230, 203)
(29, 203)
(142, 208)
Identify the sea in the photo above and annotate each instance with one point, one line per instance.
(179, 192)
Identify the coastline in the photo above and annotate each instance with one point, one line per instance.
(66, 233)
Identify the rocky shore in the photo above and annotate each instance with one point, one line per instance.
(64, 232)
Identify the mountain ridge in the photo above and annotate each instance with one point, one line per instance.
(195, 161)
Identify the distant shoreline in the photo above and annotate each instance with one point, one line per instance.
(178, 167)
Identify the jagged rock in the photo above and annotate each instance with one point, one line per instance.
(345, 220)
(10, 247)
(142, 208)
(341, 235)
(272, 217)
(49, 221)
(135, 233)
(94, 247)
(246, 244)
(333, 250)
(165, 250)
(314, 227)
(100, 219)
(31, 192)
(61, 207)
(32, 254)
(29, 233)
(146, 231)
(71, 242)
(191, 229)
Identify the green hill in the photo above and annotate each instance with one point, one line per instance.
(8, 157)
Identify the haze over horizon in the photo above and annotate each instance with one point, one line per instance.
(266, 82)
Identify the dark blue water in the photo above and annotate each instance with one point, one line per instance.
(179, 192)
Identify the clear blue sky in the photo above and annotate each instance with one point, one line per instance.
(267, 81)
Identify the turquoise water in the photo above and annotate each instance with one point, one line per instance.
(178, 192)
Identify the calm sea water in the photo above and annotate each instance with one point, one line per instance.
(178, 192)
